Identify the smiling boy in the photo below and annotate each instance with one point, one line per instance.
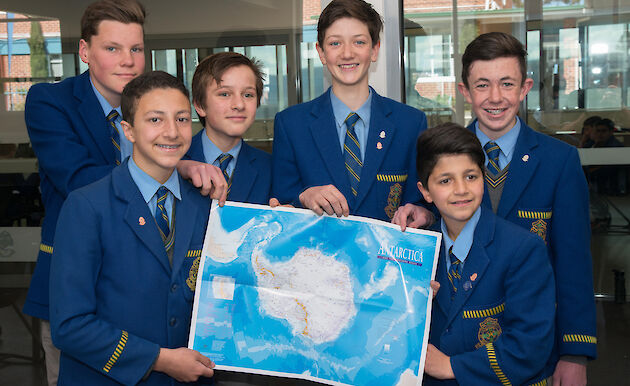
(349, 151)
(494, 314)
(536, 182)
(120, 313)
(226, 89)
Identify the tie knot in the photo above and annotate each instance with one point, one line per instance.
(162, 192)
(224, 161)
(111, 117)
(451, 255)
(351, 120)
(492, 149)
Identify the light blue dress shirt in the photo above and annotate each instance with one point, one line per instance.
(126, 147)
(211, 152)
(148, 187)
(461, 246)
(341, 111)
(507, 142)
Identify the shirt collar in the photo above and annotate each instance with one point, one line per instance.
(211, 151)
(107, 108)
(341, 111)
(507, 142)
(463, 243)
(148, 185)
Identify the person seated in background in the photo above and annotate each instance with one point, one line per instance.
(588, 127)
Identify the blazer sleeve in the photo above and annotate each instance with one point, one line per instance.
(76, 329)
(66, 161)
(525, 344)
(572, 262)
(286, 183)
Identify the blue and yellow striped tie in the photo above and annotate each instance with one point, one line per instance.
(352, 153)
(115, 135)
(493, 150)
(161, 217)
(224, 160)
(454, 272)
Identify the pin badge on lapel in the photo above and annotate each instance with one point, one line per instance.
(525, 158)
(379, 145)
(141, 221)
(467, 285)
(473, 277)
(382, 134)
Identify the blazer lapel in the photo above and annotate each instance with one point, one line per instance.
(375, 154)
(522, 167)
(196, 149)
(138, 216)
(93, 116)
(443, 296)
(244, 175)
(185, 216)
(324, 132)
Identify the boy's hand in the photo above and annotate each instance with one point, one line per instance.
(208, 178)
(437, 364)
(414, 216)
(273, 202)
(183, 364)
(569, 374)
(325, 198)
(435, 286)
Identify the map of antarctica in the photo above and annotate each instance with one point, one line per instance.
(285, 292)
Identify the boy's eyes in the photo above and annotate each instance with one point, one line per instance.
(360, 42)
(137, 49)
(444, 181)
(154, 119)
(334, 43)
(249, 95)
(111, 49)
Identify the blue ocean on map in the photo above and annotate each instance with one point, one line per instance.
(340, 301)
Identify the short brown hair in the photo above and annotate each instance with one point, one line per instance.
(213, 67)
(490, 46)
(139, 86)
(124, 11)
(446, 139)
(355, 9)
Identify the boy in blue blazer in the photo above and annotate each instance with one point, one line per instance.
(536, 182)
(493, 317)
(74, 128)
(226, 89)
(126, 255)
(350, 151)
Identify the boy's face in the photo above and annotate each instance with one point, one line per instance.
(161, 131)
(115, 56)
(495, 90)
(348, 52)
(456, 187)
(230, 107)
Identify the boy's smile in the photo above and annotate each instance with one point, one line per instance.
(495, 91)
(161, 131)
(348, 52)
(455, 186)
(230, 107)
(115, 56)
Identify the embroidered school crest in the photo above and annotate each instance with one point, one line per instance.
(192, 274)
(539, 227)
(393, 200)
(489, 331)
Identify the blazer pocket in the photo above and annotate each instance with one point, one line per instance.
(537, 220)
(390, 188)
(483, 324)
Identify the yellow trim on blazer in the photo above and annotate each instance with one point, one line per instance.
(579, 338)
(46, 248)
(391, 177)
(119, 349)
(492, 357)
(534, 215)
(193, 253)
(484, 313)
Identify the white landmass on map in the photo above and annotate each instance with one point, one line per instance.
(408, 378)
(311, 291)
(223, 287)
(389, 277)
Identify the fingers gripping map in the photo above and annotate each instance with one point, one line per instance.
(339, 301)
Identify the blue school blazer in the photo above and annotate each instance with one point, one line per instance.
(546, 193)
(306, 153)
(499, 327)
(251, 179)
(115, 298)
(70, 137)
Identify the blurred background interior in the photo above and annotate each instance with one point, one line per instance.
(578, 56)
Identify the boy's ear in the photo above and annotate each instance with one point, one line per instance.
(527, 85)
(83, 51)
(200, 110)
(375, 50)
(463, 89)
(128, 130)
(320, 52)
(425, 193)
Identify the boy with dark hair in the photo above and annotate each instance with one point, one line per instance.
(536, 182)
(126, 254)
(226, 90)
(494, 317)
(74, 128)
(350, 151)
